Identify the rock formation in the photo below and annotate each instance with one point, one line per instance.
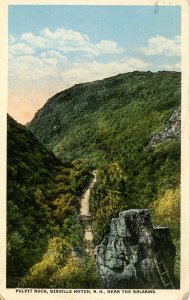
(172, 130)
(134, 253)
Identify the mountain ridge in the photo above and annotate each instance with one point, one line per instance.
(99, 98)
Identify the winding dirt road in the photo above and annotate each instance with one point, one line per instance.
(86, 217)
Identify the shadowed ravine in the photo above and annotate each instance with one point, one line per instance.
(86, 217)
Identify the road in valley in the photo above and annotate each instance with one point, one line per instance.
(86, 217)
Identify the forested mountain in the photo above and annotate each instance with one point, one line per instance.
(43, 225)
(104, 120)
(109, 123)
(111, 126)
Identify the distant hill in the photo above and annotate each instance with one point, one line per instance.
(110, 125)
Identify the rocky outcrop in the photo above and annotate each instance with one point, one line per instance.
(172, 130)
(134, 253)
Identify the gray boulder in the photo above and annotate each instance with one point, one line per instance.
(134, 253)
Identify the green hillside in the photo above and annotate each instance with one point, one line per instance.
(128, 109)
(108, 123)
(43, 226)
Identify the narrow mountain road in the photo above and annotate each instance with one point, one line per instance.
(86, 217)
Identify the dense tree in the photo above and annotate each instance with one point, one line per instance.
(42, 201)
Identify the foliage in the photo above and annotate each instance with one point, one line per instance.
(55, 257)
(60, 268)
(109, 194)
(105, 125)
(166, 212)
(176, 242)
(42, 201)
(109, 119)
(109, 123)
(134, 185)
(78, 273)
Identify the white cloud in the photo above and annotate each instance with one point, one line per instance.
(20, 49)
(32, 69)
(103, 47)
(40, 60)
(93, 70)
(54, 54)
(65, 35)
(172, 67)
(35, 41)
(161, 45)
(12, 39)
(39, 65)
(67, 40)
(51, 65)
(43, 64)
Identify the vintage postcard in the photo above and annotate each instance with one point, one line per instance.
(94, 149)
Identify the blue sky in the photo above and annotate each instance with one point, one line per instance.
(54, 47)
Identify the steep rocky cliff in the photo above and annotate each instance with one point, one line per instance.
(172, 130)
(134, 253)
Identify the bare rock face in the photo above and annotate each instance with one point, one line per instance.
(134, 253)
(172, 130)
